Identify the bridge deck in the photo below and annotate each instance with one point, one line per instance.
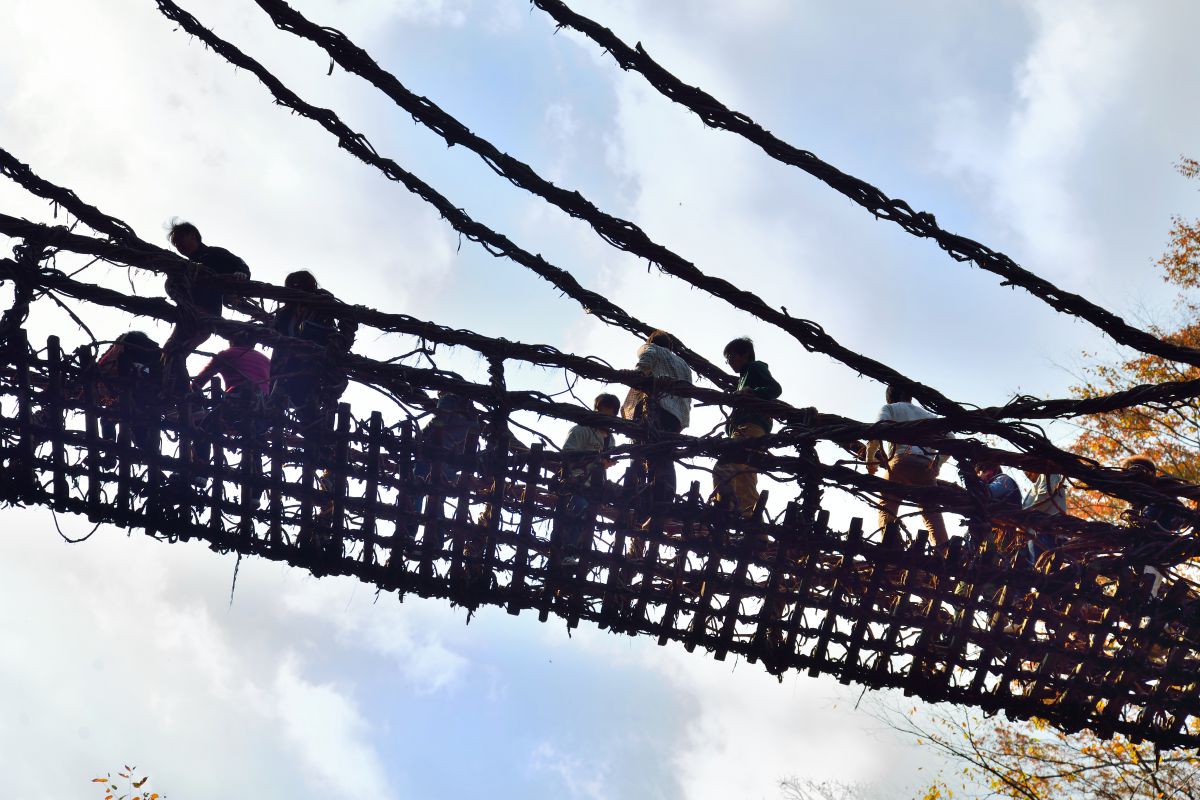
(970, 625)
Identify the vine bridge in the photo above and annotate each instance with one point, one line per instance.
(1102, 634)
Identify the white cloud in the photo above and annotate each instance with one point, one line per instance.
(330, 736)
(123, 651)
(1077, 68)
(452, 13)
(579, 776)
(192, 137)
(388, 629)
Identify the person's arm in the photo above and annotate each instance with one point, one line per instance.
(202, 377)
(607, 445)
(761, 383)
(223, 262)
(875, 446)
(237, 269)
(873, 449)
(629, 407)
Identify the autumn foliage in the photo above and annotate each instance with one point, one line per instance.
(1169, 435)
(1031, 760)
(126, 786)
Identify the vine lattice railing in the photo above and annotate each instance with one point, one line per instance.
(969, 624)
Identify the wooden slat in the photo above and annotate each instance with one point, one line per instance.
(92, 436)
(249, 474)
(337, 479)
(52, 405)
(845, 573)
(23, 473)
(525, 530)
(370, 515)
(216, 498)
(677, 587)
(275, 484)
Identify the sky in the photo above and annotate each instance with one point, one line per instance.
(1045, 130)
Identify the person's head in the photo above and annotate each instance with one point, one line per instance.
(1031, 474)
(898, 394)
(137, 340)
(987, 470)
(739, 353)
(301, 280)
(184, 237)
(1140, 465)
(662, 339)
(607, 404)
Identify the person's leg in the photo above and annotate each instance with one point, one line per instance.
(202, 444)
(638, 476)
(571, 538)
(935, 525)
(745, 478)
(906, 471)
(184, 339)
(585, 505)
(413, 502)
(889, 506)
(310, 415)
(722, 492)
(916, 471)
(1039, 543)
(660, 468)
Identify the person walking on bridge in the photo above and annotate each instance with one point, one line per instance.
(907, 464)
(662, 412)
(735, 482)
(245, 372)
(127, 383)
(1048, 495)
(309, 379)
(197, 304)
(585, 462)
(1001, 488)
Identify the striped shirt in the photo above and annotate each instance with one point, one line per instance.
(662, 363)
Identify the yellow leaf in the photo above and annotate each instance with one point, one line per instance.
(138, 784)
